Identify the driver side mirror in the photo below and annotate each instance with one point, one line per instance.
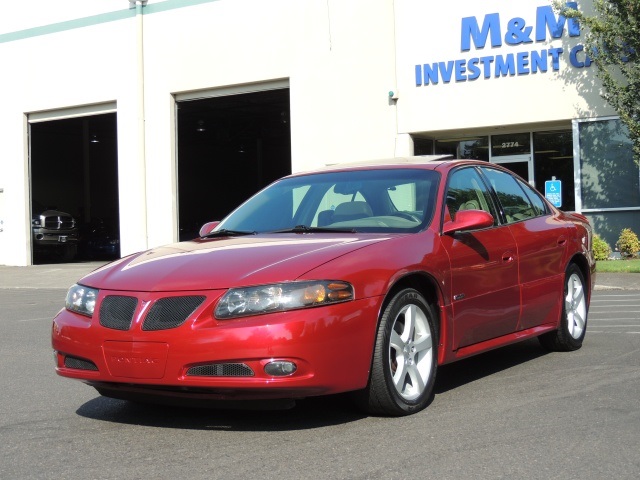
(207, 228)
(468, 220)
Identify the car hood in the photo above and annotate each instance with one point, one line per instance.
(222, 263)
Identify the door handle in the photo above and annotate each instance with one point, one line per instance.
(562, 241)
(507, 257)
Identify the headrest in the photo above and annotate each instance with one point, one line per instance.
(353, 208)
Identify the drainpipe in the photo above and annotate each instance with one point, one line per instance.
(139, 5)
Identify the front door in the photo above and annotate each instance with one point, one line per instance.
(484, 268)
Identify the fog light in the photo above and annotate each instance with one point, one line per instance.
(280, 368)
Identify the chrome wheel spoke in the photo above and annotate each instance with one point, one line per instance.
(578, 322)
(575, 307)
(399, 375)
(417, 382)
(396, 342)
(410, 347)
(409, 322)
(423, 343)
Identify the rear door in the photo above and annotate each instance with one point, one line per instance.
(541, 240)
(484, 270)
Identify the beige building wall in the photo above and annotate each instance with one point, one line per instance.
(340, 59)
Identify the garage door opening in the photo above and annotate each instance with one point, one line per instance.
(229, 147)
(74, 189)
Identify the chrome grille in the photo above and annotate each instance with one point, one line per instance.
(171, 312)
(117, 311)
(221, 370)
(79, 364)
(59, 222)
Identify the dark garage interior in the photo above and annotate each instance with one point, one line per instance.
(74, 171)
(229, 147)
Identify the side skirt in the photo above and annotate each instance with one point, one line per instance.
(494, 343)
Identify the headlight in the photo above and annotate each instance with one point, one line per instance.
(240, 302)
(81, 299)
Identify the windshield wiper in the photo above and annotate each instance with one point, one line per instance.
(223, 232)
(307, 229)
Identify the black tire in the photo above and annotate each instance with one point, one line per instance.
(573, 323)
(407, 337)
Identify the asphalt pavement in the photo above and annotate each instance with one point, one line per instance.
(515, 412)
(63, 275)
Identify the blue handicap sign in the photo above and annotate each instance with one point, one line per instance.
(553, 192)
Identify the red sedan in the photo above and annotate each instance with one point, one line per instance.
(355, 278)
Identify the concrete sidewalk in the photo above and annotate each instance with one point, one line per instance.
(63, 275)
(55, 275)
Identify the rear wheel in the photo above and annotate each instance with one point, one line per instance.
(405, 357)
(573, 323)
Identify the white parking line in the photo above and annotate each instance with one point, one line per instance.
(617, 326)
(617, 319)
(603, 295)
(613, 333)
(608, 307)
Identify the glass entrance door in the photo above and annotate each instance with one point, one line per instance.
(513, 151)
(519, 168)
(553, 153)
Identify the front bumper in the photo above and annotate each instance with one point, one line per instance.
(46, 238)
(330, 345)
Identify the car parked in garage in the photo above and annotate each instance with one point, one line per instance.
(55, 233)
(361, 278)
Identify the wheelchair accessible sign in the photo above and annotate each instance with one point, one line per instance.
(553, 192)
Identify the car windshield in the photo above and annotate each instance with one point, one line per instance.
(384, 201)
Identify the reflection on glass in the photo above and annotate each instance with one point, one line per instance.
(511, 144)
(609, 174)
(519, 168)
(476, 148)
(422, 146)
(553, 157)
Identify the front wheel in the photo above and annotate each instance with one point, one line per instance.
(573, 323)
(404, 364)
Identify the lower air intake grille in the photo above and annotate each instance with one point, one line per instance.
(79, 364)
(221, 370)
(116, 311)
(171, 312)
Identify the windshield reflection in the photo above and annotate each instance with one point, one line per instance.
(382, 201)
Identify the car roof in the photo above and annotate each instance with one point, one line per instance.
(430, 162)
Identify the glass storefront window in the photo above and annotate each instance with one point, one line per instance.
(610, 177)
(422, 146)
(519, 168)
(510, 144)
(476, 148)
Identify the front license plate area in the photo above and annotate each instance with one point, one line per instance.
(136, 359)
